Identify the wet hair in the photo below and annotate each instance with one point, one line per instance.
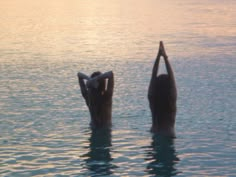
(102, 84)
(163, 84)
(94, 74)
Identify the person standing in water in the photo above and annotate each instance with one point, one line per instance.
(162, 96)
(97, 92)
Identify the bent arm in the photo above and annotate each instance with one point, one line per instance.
(83, 76)
(110, 84)
(82, 85)
(93, 82)
(105, 75)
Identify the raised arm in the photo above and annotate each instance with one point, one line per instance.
(161, 52)
(170, 71)
(156, 64)
(82, 85)
(168, 66)
(83, 76)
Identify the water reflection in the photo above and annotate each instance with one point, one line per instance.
(98, 159)
(161, 157)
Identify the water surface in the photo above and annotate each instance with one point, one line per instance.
(44, 122)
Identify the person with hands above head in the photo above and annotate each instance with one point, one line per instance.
(97, 91)
(162, 96)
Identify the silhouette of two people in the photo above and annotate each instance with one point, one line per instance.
(97, 91)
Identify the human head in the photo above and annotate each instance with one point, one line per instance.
(101, 85)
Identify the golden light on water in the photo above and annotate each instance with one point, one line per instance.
(45, 122)
(111, 28)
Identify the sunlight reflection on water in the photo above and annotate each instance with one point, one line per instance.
(44, 127)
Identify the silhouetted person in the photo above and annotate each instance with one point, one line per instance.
(162, 96)
(97, 92)
(162, 157)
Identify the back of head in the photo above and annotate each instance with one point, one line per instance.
(94, 74)
(163, 90)
(163, 84)
(101, 86)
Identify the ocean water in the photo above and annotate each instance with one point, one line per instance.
(44, 122)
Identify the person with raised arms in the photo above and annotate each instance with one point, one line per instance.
(97, 91)
(162, 96)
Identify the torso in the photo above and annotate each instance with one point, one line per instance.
(100, 107)
(162, 101)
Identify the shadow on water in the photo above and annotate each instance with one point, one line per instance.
(98, 159)
(161, 157)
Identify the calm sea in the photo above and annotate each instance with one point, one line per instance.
(44, 122)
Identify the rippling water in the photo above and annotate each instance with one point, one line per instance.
(44, 120)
